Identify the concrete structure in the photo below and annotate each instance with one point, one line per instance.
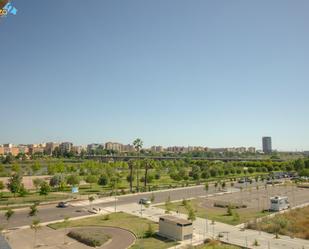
(36, 148)
(78, 149)
(267, 147)
(156, 148)
(91, 148)
(65, 147)
(251, 150)
(128, 148)
(50, 147)
(175, 228)
(1, 150)
(177, 149)
(113, 146)
(23, 149)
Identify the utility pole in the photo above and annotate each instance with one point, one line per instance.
(141, 209)
(115, 200)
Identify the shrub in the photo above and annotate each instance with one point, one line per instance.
(256, 243)
(150, 231)
(229, 210)
(89, 236)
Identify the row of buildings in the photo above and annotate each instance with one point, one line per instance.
(65, 147)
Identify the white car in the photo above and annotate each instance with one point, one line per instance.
(95, 210)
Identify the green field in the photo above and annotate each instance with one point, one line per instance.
(215, 214)
(294, 223)
(135, 224)
(30, 198)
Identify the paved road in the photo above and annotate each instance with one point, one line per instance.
(3, 243)
(50, 213)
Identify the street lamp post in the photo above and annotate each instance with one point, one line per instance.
(115, 200)
(141, 209)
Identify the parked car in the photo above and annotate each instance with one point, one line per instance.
(144, 201)
(95, 210)
(62, 204)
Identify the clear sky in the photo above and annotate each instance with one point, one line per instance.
(217, 73)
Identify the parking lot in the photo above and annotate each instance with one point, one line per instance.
(259, 199)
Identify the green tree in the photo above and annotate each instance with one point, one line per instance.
(44, 188)
(299, 165)
(37, 182)
(114, 182)
(103, 180)
(168, 205)
(8, 215)
(229, 210)
(223, 184)
(36, 167)
(138, 144)
(73, 180)
(191, 215)
(57, 180)
(130, 177)
(33, 209)
(22, 191)
(91, 199)
(148, 164)
(216, 185)
(196, 172)
(91, 179)
(16, 168)
(1, 188)
(206, 187)
(15, 183)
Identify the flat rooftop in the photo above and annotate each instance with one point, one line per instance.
(176, 220)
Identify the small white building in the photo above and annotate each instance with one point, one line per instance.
(279, 203)
(175, 228)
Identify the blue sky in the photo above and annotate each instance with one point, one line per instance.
(173, 72)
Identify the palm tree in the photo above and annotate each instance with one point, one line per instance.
(131, 165)
(91, 199)
(148, 164)
(138, 144)
(35, 226)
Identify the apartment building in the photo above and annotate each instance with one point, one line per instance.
(50, 147)
(65, 147)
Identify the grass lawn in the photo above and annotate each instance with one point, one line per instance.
(133, 223)
(294, 223)
(8, 199)
(217, 214)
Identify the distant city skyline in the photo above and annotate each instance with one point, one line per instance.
(149, 145)
(179, 72)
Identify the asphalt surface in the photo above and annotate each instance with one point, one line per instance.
(3, 243)
(51, 213)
